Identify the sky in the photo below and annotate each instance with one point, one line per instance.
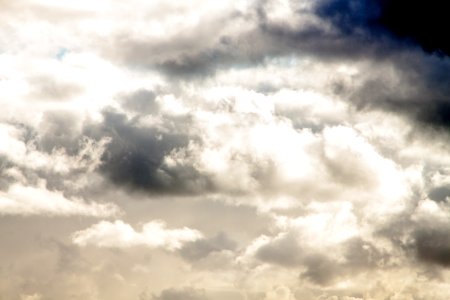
(224, 150)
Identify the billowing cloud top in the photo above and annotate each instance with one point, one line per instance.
(270, 150)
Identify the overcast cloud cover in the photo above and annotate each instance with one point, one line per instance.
(217, 150)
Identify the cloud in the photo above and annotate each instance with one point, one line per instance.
(429, 237)
(310, 134)
(194, 151)
(135, 155)
(398, 17)
(55, 151)
(44, 172)
(390, 28)
(31, 297)
(179, 294)
(201, 248)
(28, 200)
(285, 166)
(59, 130)
(142, 102)
(45, 88)
(239, 35)
(432, 246)
(118, 234)
(325, 247)
(439, 194)
(181, 46)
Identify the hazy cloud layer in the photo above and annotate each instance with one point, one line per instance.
(262, 150)
(186, 293)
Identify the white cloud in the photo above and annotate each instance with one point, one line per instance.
(28, 200)
(324, 228)
(118, 234)
(24, 153)
(246, 147)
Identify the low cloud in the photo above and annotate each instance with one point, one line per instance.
(118, 234)
(29, 200)
(432, 246)
(179, 294)
(201, 248)
(135, 155)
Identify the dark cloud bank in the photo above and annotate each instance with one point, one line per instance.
(414, 22)
(401, 26)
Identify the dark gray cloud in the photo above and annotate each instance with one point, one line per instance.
(440, 193)
(424, 238)
(134, 157)
(285, 251)
(359, 256)
(384, 32)
(202, 52)
(315, 39)
(202, 248)
(59, 129)
(395, 26)
(5, 179)
(142, 102)
(319, 267)
(400, 17)
(191, 63)
(397, 18)
(321, 270)
(432, 244)
(419, 90)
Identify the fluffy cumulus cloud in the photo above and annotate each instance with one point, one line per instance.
(281, 149)
(25, 200)
(121, 235)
